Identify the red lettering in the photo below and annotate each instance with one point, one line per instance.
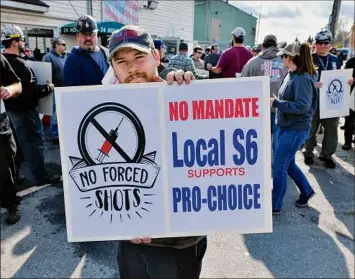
(229, 108)
(209, 110)
(255, 107)
(229, 171)
(173, 111)
(246, 106)
(183, 110)
(219, 108)
(198, 108)
(238, 108)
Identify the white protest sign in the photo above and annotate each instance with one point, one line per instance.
(163, 161)
(2, 106)
(110, 77)
(43, 72)
(334, 96)
(352, 100)
(203, 72)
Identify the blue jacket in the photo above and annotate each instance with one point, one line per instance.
(298, 101)
(81, 69)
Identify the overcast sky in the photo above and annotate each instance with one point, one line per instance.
(291, 19)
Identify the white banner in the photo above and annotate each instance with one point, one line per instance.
(43, 72)
(334, 96)
(163, 161)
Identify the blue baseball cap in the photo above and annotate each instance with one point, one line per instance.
(158, 44)
(130, 36)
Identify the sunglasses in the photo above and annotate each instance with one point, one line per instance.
(323, 43)
(284, 56)
(62, 44)
(199, 52)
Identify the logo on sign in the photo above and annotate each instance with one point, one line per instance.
(335, 92)
(114, 175)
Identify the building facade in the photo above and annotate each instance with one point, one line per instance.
(215, 20)
(41, 20)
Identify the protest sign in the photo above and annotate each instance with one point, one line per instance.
(43, 72)
(110, 77)
(334, 96)
(163, 161)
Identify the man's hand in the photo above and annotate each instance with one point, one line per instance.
(209, 66)
(141, 240)
(51, 85)
(180, 76)
(351, 81)
(5, 93)
(319, 84)
(271, 101)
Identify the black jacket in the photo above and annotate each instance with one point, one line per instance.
(31, 91)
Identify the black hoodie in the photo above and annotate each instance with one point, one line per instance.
(31, 91)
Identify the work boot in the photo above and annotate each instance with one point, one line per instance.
(328, 162)
(13, 215)
(308, 161)
(346, 146)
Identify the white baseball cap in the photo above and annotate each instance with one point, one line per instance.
(238, 32)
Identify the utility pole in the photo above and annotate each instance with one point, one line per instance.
(334, 17)
(257, 33)
(208, 20)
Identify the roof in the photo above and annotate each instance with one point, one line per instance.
(33, 2)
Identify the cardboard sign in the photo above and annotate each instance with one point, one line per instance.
(164, 161)
(334, 96)
(43, 72)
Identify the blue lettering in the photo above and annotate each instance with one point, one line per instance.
(232, 197)
(186, 199)
(213, 153)
(177, 163)
(201, 159)
(257, 196)
(238, 160)
(251, 147)
(176, 198)
(240, 196)
(247, 191)
(189, 148)
(222, 197)
(211, 193)
(196, 199)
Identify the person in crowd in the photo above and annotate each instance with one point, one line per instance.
(22, 110)
(333, 51)
(268, 63)
(256, 50)
(342, 57)
(182, 61)
(350, 119)
(57, 57)
(232, 60)
(10, 88)
(207, 52)
(134, 59)
(105, 40)
(87, 63)
(196, 58)
(295, 106)
(28, 54)
(160, 47)
(212, 59)
(324, 61)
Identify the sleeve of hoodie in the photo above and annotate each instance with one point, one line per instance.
(303, 92)
(72, 73)
(248, 69)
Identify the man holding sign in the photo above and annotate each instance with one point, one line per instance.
(23, 110)
(134, 60)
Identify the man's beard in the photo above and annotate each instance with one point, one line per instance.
(142, 76)
(21, 50)
(89, 48)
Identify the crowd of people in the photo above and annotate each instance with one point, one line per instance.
(294, 70)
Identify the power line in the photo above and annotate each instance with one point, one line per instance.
(73, 8)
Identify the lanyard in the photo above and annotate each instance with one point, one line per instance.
(321, 61)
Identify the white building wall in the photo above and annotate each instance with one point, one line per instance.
(169, 19)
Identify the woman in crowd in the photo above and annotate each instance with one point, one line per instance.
(295, 108)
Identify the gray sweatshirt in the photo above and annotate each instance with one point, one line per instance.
(267, 63)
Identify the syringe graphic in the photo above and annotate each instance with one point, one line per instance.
(107, 146)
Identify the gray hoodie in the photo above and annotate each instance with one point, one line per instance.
(267, 63)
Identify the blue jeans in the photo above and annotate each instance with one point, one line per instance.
(274, 132)
(53, 122)
(29, 130)
(289, 141)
